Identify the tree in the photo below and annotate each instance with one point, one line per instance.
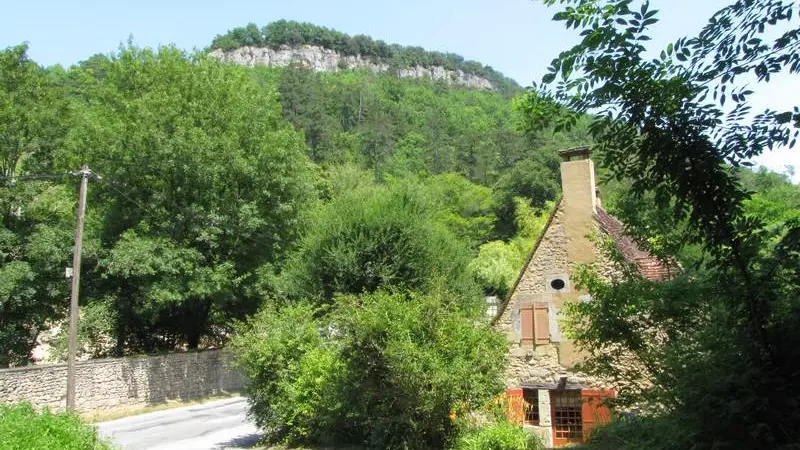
(303, 104)
(467, 208)
(203, 187)
(32, 113)
(35, 240)
(534, 180)
(722, 366)
(373, 238)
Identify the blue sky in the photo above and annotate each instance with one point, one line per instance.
(515, 37)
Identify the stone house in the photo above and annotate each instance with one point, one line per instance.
(553, 401)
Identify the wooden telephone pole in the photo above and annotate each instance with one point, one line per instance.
(76, 279)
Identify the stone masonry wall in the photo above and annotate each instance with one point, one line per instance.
(540, 364)
(114, 382)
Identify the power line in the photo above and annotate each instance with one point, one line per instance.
(44, 176)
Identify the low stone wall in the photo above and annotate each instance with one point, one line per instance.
(113, 382)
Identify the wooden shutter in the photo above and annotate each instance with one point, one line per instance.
(541, 324)
(594, 409)
(516, 405)
(526, 317)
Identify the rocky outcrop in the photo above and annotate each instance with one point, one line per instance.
(325, 60)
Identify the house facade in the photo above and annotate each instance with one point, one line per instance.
(548, 397)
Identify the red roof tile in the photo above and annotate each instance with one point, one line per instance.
(649, 266)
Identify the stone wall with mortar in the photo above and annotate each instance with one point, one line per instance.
(134, 381)
(542, 364)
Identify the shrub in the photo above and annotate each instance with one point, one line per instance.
(22, 428)
(373, 238)
(637, 432)
(291, 372)
(412, 360)
(501, 435)
(381, 370)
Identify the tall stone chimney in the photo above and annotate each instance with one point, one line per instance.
(579, 203)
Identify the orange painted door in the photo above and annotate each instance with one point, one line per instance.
(594, 409)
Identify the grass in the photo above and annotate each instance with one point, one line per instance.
(24, 428)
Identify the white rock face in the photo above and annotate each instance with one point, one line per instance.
(322, 59)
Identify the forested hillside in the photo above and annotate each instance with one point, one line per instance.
(216, 177)
(225, 188)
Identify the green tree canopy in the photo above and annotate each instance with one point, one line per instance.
(376, 237)
(35, 232)
(202, 188)
(717, 350)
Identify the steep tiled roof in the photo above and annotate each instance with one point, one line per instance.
(649, 266)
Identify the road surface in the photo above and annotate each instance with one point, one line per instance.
(221, 424)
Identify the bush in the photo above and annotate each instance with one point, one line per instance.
(373, 238)
(289, 368)
(501, 435)
(380, 370)
(22, 428)
(633, 433)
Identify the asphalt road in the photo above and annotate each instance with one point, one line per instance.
(214, 425)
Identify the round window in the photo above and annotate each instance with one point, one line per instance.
(557, 284)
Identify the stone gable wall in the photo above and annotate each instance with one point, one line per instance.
(541, 364)
(113, 382)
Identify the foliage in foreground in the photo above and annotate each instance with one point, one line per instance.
(641, 432)
(381, 370)
(22, 428)
(715, 352)
(501, 435)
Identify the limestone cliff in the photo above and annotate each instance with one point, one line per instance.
(325, 60)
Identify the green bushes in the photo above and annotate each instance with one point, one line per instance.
(498, 436)
(22, 428)
(380, 370)
(633, 433)
(377, 237)
(289, 368)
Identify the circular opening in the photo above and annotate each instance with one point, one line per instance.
(557, 284)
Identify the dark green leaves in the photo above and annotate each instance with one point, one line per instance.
(673, 128)
(203, 188)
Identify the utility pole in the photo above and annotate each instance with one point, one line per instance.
(76, 279)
